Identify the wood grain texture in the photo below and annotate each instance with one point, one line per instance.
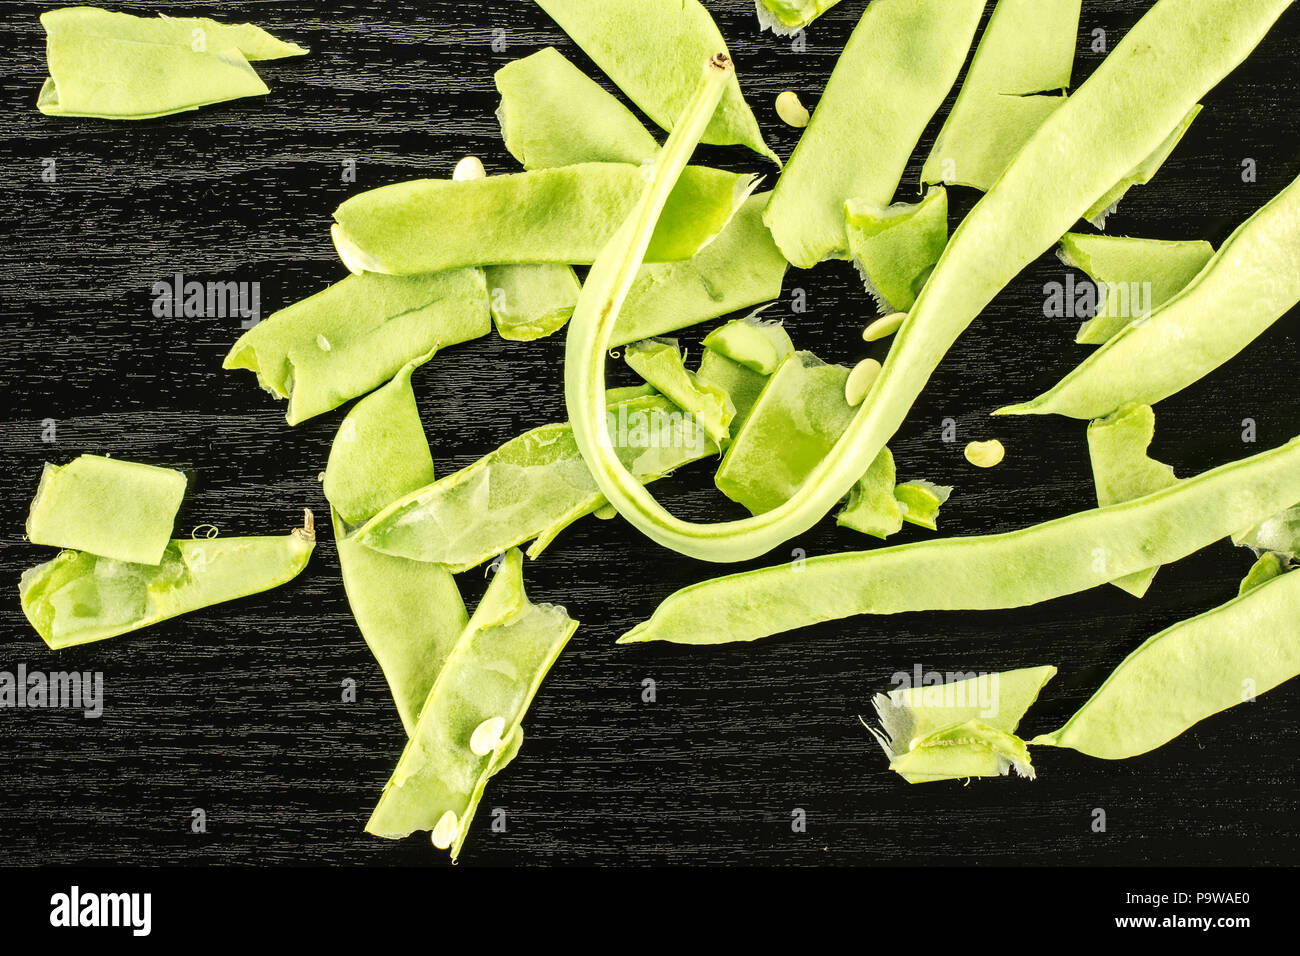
(237, 709)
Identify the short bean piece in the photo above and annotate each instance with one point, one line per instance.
(1128, 271)
(112, 508)
(895, 247)
(1027, 566)
(1269, 565)
(1190, 671)
(1251, 282)
(872, 507)
(661, 364)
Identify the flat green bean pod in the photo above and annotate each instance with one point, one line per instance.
(1164, 64)
(119, 66)
(529, 489)
(1026, 51)
(1122, 470)
(410, 613)
(983, 572)
(900, 62)
(1190, 671)
(357, 334)
(563, 215)
(787, 17)
(553, 114)
(112, 508)
(1251, 282)
(651, 49)
(469, 725)
(79, 597)
(1132, 276)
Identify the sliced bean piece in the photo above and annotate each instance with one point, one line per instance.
(742, 385)
(1251, 282)
(1269, 565)
(380, 451)
(1034, 564)
(900, 62)
(755, 343)
(921, 501)
(563, 215)
(1122, 470)
(971, 750)
(112, 508)
(80, 597)
(553, 114)
(653, 49)
(895, 247)
(1133, 276)
(872, 507)
(357, 334)
(787, 17)
(959, 729)
(1280, 533)
(493, 674)
(741, 268)
(796, 421)
(661, 364)
(1190, 671)
(119, 66)
(1026, 51)
(532, 301)
(1162, 63)
(529, 489)
(1141, 174)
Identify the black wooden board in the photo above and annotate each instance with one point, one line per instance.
(238, 709)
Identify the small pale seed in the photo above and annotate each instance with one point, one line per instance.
(471, 167)
(487, 736)
(444, 831)
(985, 454)
(860, 381)
(883, 327)
(791, 111)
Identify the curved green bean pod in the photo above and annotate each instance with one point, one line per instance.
(1251, 282)
(469, 726)
(651, 48)
(1176, 52)
(79, 597)
(900, 62)
(983, 572)
(1190, 671)
(564, 215)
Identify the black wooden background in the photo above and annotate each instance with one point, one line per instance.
(237, 709)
